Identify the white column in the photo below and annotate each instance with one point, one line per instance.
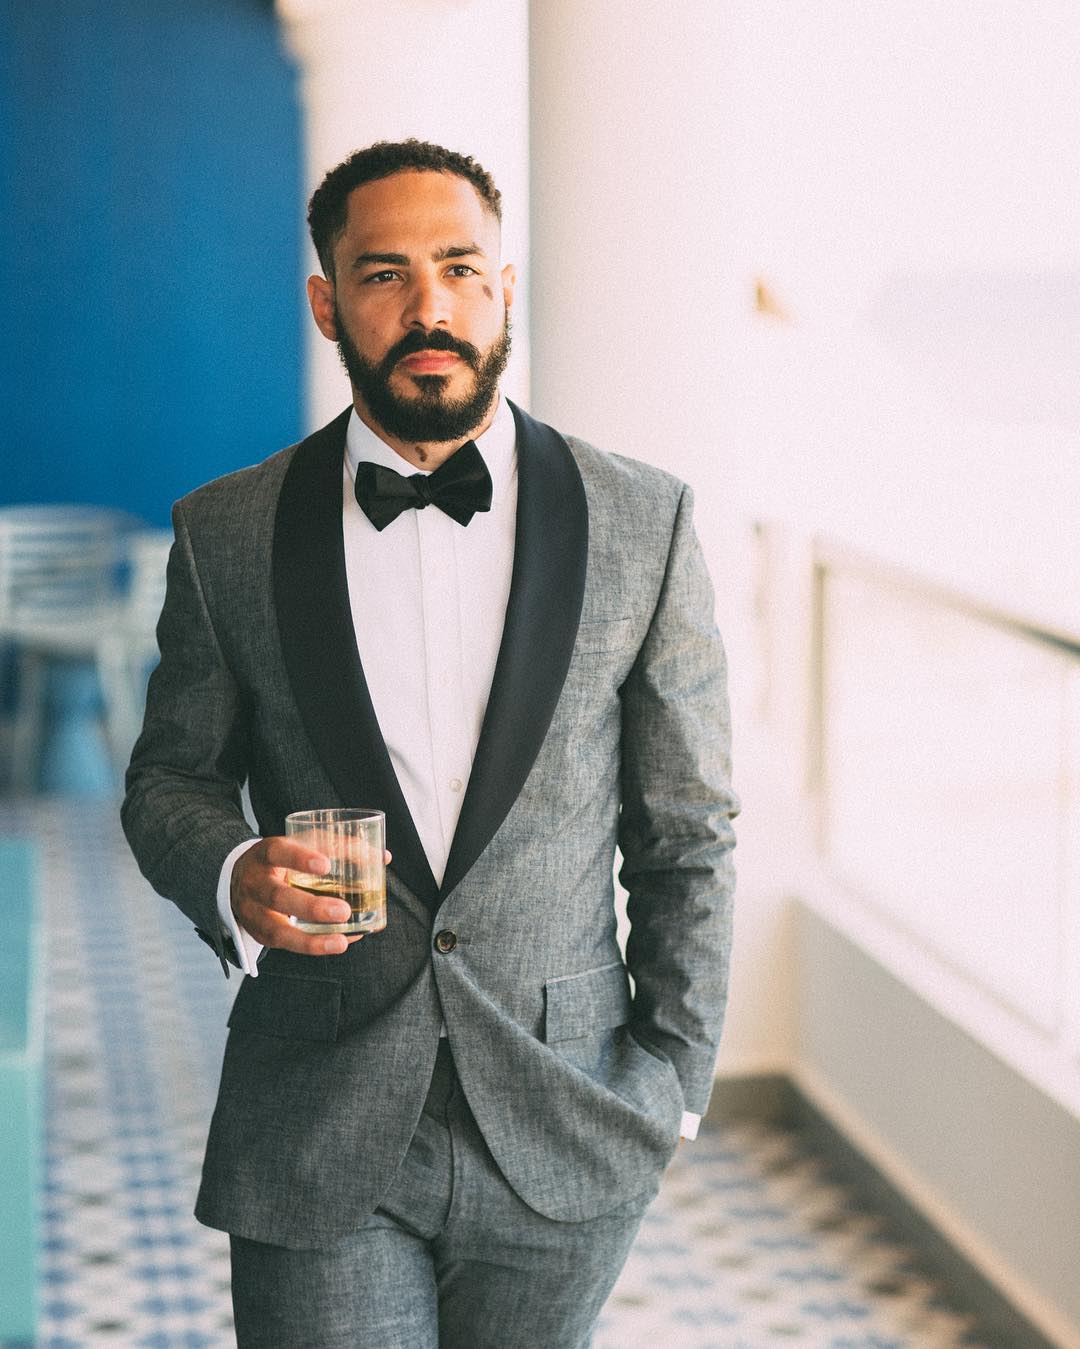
(630, 295)
(450, 71)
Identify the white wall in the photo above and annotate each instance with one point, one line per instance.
(904, 182)
(905, 178)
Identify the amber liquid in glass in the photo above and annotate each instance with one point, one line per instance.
(368, 906)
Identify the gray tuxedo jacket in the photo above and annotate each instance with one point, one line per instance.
(606, 725)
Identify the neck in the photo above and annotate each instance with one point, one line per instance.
(425, 454)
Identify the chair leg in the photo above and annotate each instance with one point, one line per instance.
(28, 721)
(117, 679)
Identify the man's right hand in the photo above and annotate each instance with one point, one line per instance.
(262, 900)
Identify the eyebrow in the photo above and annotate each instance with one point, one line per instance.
(387, 259)
(401, 259)
(458, 251)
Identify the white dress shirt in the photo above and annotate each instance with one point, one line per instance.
(428, 600)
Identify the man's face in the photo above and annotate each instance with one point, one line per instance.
(419, 307)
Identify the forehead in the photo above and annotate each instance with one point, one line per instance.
(417, 209)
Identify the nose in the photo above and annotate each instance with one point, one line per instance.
(426, 305)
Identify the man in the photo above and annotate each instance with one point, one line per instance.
(447, 1133)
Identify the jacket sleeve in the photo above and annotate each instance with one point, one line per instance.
(675, 830)
(182, 813)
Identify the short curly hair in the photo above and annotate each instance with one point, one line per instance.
(329, 205)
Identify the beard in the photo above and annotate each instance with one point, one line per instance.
(429, 415)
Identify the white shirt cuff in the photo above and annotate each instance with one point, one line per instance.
(689, 1127)
(247, 948)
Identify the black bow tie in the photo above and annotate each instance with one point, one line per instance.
(460, 487)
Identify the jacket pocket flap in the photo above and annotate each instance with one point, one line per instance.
(587, 1003)
(282, 1004)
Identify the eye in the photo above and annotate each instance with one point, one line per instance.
(380, 278)
(463, 269)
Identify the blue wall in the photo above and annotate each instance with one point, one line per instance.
(151, 209)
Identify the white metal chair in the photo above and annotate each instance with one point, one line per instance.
(59, 598)
(133, 644)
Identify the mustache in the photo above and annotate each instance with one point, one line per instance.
(437, 340)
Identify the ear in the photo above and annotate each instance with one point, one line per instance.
(509, 278)
(320, 293)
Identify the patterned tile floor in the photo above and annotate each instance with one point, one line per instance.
(748, 1245)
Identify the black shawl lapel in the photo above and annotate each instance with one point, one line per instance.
(314, 618)
(546, 589)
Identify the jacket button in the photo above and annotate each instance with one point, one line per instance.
(445, 941)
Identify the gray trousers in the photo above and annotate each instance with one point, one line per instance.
(452, 1259)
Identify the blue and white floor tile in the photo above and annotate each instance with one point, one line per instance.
(747, 1246)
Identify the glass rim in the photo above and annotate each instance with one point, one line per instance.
(335, 815)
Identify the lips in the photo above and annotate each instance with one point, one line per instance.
(430, 362)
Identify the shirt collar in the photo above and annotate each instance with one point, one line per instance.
(497, 445)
